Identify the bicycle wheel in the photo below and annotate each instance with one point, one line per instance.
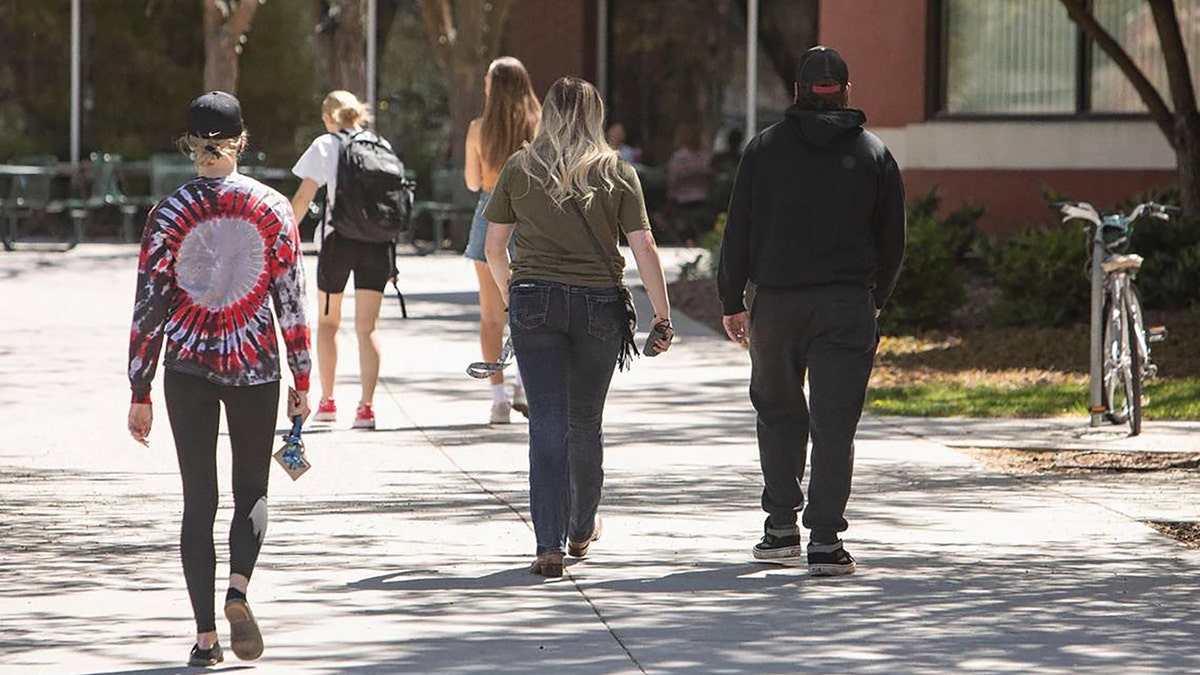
(1137, 360)
(1117, 365)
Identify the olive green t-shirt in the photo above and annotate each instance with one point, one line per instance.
(550, 242)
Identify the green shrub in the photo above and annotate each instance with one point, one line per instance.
(1170, 277)
(1042, 275)
(932, 281)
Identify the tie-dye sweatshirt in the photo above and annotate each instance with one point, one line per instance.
(213, 252)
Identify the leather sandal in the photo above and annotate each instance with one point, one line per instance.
(245, 640)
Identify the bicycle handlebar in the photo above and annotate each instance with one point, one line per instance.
(1085, 211)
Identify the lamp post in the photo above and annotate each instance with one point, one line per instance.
(75, 85)
(751, 70)
(372, 56)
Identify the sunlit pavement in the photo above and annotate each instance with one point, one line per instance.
(403, 550)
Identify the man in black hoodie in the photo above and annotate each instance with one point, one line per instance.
(817, 224)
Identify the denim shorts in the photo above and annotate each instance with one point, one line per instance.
(478, 235)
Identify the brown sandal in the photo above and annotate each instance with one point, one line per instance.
(245, 640)
(548, 565)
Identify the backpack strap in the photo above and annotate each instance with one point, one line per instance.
(395, 279)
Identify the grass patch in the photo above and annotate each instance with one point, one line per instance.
(1023, 372)
(1166, 400)
(955, 399)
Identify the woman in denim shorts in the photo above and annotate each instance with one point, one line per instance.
(510, 115)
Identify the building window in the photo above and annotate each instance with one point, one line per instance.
(1026, 57)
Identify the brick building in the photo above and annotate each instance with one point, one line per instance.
(992, 100)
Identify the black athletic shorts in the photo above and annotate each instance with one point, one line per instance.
(371, 264)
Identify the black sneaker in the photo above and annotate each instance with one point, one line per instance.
(203, 658)
(829, 560)
(783, 550)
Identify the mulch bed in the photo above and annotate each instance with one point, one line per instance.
(1188, 533)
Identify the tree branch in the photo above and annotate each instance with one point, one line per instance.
(1159, 111)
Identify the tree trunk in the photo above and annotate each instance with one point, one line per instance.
(342, 40)
(1186, 129)
(226, 23)
(1187, 159)
(465, 36)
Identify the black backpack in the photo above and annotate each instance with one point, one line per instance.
(374, 201)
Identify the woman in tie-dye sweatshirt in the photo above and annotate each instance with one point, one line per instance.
(215, 254)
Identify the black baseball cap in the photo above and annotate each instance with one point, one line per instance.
(822, 64)
(215, 115)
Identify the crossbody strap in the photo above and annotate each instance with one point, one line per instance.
(595, 242)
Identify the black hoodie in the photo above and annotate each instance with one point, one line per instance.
(817, 201)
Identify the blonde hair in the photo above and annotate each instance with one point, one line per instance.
(345, 109)
(569, 153)
(209, 151)
(510, 114)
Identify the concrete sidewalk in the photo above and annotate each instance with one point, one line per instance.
(403, 550)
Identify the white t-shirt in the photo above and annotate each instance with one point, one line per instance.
(319, 163)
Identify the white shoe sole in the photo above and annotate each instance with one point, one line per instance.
(790, 555)
(363, 425)
(826, 570)
(325, 417)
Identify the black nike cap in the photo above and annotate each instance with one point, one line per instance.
(215, 115)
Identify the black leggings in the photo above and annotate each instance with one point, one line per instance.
(194, 408)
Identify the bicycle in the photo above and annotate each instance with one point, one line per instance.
(1124, 342)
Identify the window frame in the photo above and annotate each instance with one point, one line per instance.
(937, 70)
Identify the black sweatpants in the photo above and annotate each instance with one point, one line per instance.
(194, 408)
(830, 334)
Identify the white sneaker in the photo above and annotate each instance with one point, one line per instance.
(518, 401)
(501, 412)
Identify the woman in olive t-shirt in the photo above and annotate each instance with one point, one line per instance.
(566, 308)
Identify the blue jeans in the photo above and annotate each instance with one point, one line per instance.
(566, 339)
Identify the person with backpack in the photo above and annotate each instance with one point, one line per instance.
(510, 116)
(216, 254)
(367, 206)
(567, 196)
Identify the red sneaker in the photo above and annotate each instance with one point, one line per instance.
(365, 417)
(326, 411)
